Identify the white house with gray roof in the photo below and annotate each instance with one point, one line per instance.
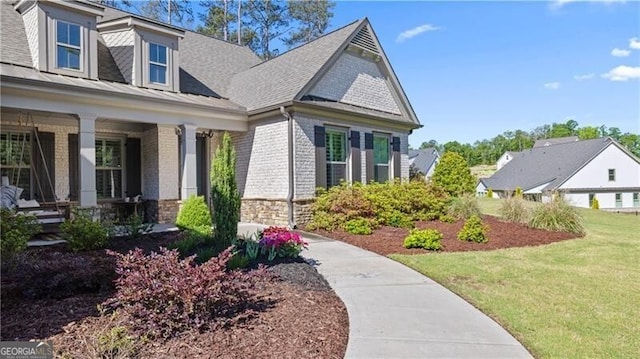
(424, 161)
(112, 105)
(580, 170)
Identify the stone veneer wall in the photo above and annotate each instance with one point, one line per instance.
(302, 211)
(264, 211)
(162, 211)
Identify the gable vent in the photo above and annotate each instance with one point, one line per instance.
(364, 40)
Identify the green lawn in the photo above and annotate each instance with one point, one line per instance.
(573, 299)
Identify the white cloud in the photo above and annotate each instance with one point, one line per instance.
(620, 52)
(407, 34)
(557, 4)
(634, 43)
(623, 73)
(584, 77)
(552, 85)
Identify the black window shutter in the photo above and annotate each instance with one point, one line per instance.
(134, 171)
(44, 166)
(395, 146)
(356, 162)
(368, 152)
(74, 178)
(321, 156)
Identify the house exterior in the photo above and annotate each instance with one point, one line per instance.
(505, 158)
(424, 161)
(112, 105)
(599, 168)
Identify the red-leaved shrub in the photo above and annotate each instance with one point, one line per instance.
(164, 295)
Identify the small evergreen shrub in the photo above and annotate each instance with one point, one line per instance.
(194, 216)
(358, 226)
(464, 207)
(165, 295)
(513, 209)
(557, 216)
(445, 218)
(595, 204)
(82, 233)
(398, 219)
(490, 193)
(428, 239)
(474, 230)
(15, 232)
(518, 193)
(224, 193)
(134, 228)
(452, 173)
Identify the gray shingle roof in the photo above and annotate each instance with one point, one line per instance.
(280, 79)
(547, 164)
(554, 141)
(423, 159)
(13, 37)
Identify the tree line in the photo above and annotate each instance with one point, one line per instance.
(265, 26)
(488, 151)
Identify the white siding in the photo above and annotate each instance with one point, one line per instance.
(262, 160)
(595, 173)
(357, 81)
(503, 160)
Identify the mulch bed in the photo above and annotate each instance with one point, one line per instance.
(387, 240)
(301, 317)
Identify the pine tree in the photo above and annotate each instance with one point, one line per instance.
(224, 193)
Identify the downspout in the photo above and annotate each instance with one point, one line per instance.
(290, 195)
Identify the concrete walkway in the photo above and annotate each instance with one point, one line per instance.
(396, 312)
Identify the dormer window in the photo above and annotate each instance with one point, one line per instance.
(157, 64)
(68, 45)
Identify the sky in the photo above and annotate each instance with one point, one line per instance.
(472, 70)
(475, 69)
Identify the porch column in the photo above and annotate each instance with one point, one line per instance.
(189, 185)
(87, 146)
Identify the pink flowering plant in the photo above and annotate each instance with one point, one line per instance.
(281, 242)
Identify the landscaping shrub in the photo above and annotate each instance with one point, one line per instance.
(490, 193)
(393, 203)
(279, 242)
(518, 193)
(194, 216)
(452, 173)
(558, 216)
(464, 207)
(445, 218)
(595, 204)
(513, 209)
(135, 227)
(83, 233)
(165, 295)
(224, 193)
(474, 230)
(15, 232)
(358, 226)
(426, 238)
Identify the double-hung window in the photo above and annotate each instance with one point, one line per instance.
(636, 199)
(157, 64)
(336, 149)
(68, 45)
(15, 160)
(109, 168)
(612, 174)
(381, 157)
(618, 200)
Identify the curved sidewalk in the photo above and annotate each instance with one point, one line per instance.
(396, 312)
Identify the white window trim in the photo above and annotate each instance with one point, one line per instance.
(122, 168)
(81, 60)
(345, 131)
(165, 65)
(387, 136)
(609, 174)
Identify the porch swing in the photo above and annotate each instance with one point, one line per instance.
(48, 214)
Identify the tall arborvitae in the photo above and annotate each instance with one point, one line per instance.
(224, 193)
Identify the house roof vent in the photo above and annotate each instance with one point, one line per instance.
(364, 40)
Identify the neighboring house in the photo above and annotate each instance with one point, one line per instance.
(424, 161)
(112, 105)
(581, 171)
(505, 158)
(554, 141)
